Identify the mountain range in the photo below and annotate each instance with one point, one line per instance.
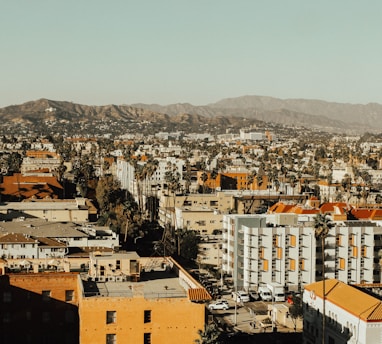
(328, 116)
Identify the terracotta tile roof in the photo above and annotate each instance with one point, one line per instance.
(14, 238)
(42, 154)
(47, 242)
(371, 214)
(29, 186)
(331, 207)
(354, 301)
(280, 207)
(301, 210)
(198, 294)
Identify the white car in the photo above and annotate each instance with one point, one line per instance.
(219, 305)
(240, 296)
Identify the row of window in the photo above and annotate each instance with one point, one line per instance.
(111, 317)
(46, 317)
(45, 294)
(111, 338)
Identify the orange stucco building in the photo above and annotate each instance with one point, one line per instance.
(164, 304)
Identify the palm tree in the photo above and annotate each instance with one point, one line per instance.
(322, 225)
(210, 335)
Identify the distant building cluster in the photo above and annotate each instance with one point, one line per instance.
(76, 210)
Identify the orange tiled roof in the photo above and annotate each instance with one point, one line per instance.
(41, 154)
(367, 214)
(13, 238)
(29, 186)
(330, 207)
(198, 294)
(354, 301)
(300, 210)
(280, 207)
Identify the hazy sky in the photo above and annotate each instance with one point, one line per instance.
(196, 51)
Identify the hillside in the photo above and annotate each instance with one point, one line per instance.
(328, 116)
(299, 112)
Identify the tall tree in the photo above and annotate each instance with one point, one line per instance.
(210, 335)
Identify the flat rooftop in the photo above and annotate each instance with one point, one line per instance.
(152, 285)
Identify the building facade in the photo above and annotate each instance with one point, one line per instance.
(259, 249)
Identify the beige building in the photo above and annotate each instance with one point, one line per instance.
(202, 220)
(211, 204)
(52, 210)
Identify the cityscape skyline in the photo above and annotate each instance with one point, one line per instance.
(178, 52)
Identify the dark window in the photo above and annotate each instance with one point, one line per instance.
(147, 316)
(111, 317)
(69, 295)
(111, 338)
(45, 295)
(147, 338)
(7, 297)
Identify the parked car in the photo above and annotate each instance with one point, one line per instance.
(265, 294)
(240, 296)
(254, 295)
(221, 304)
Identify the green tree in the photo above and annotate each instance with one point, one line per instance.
(210, 335)
(296, 310)
(189, 244)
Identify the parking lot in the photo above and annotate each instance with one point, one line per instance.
(249, 317)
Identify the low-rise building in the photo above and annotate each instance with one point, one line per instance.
(351, 315)
(161, 303)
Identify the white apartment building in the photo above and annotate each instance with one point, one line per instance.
(20, 246)
(125, 174)
(352, 315)
(258, 249)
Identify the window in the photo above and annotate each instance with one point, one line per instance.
(6, 317)
(69, 295)
(342, 263)
(147, 338)
(118, 264)
(111, 338)
(279, 253)
(147, 316)
(265, 264)
(292, 264)
(338, 240)
(45, 295)
(7, 297)
(28, 315)
(292, 240)
(355, 251)
(111, 317)
(261, 252)
(45, 317)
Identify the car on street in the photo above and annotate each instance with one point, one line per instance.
(221, 304)
(240, 296)
(254, 295)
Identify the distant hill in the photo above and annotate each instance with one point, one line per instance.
(329, 116)
(300, 112)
